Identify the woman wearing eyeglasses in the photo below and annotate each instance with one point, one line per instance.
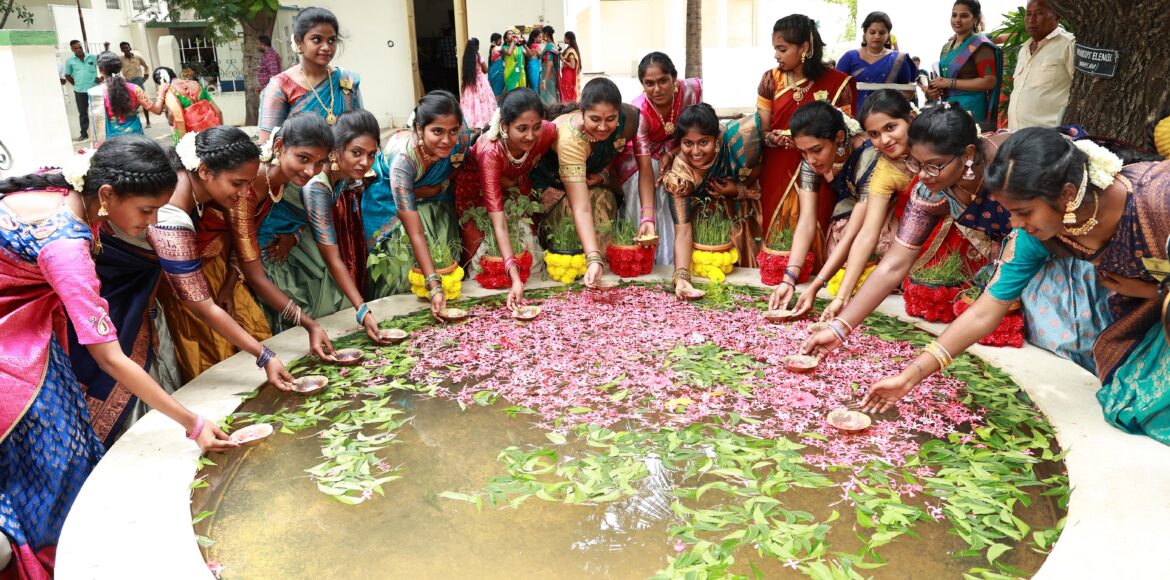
(949, 158)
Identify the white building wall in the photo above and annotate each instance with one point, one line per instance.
(487, 16)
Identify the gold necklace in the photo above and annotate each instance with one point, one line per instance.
(329, 116)
(872, 53)
(1089, 223)
(586, 133)
(268, 186)
(198, 206)
(667, 126)
(797, 91)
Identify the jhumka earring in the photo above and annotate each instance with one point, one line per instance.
(333, 166)
(102, 210)
(1070, 209)
(841, 149)
(969, 174)
(803, 57)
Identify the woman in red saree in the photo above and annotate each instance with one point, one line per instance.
(800, 76)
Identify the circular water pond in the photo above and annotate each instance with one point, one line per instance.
(630, 435)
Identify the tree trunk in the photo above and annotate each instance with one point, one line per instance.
(1126, 105)
(7, 9)
(694, 66)
(259, 25)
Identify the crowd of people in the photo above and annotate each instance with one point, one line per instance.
(140, 261)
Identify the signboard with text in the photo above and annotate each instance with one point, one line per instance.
(1098, 62)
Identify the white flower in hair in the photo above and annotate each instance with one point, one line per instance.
(266, 148)
(186, 150)
(851, 125)
(75, 169)
(1103, 164)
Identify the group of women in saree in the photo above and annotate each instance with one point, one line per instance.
(554, 72)
(87, 253)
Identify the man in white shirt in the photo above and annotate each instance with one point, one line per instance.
(1044, 71)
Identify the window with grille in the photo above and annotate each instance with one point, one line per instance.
(112, 4)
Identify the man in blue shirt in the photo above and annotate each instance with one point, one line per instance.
(81, 72)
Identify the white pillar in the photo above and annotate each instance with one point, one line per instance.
(35, 130)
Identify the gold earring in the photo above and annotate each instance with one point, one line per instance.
(1070, 216)
(803, 57)
(275, 159)
(102, 210)
(333, 166)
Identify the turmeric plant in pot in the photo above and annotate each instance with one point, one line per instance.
(930, 293)
(714, 256)
(626, 257)
(564, 257)
(773, 257)
(518, 213)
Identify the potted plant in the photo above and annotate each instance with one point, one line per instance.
(626, 257)
(1009, 332)
(714, 256)
(443, 256)
(564, 257)
(773, 257)
(518, 213)
(931, 292)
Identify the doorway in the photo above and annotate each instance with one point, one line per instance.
(436, 45)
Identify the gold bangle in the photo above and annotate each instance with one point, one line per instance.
(946, 353)
(842, 320)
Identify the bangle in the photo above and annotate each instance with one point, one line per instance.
(953, 80)
(940, 352)
(842, 321)
(921, 373)
(681, 274)
(433, 278)
(432, 292)
(594, 260)
(198, 429)
(819, 279)
(362, 311)
(266, 355)
(837, 331)
(783, 282)
(509, 262)
(646, 220)
(647, 211)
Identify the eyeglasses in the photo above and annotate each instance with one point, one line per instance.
(932, 170)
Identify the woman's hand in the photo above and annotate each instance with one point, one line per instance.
(940, 84)
(516, 294)
(821, 343)
(319, 343)
(281, 246)
(594, 179)
(646, 228)
(833, 310)
(592, 274)
(681, 287)
(438, 303)
(212, 438)
(371, 325)
(781, 296)
(1125, 286)
(805, 303)
(278, 375)
(664, 164)
(724, 187)
(884, 393)
(226, 299)
(777, 138)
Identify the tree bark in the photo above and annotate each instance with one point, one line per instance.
(259, 25)
(1126, 105)
(6, 10)
(694, 66)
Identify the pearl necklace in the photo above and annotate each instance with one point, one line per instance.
(508, 152)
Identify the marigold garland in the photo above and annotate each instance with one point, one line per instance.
(1010, 331)
(452, 283)
(714, 266)
(772, 267)
(931, 303)
(835, 282)
(493, 277)
(630, 261)
(564, 268)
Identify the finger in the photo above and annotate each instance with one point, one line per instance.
(285, 375)
(886, 405)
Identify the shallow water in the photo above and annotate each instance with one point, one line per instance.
(271, 522)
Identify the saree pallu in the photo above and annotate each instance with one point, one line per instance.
(779, 179)
(514, 67)
(303, 275)
(496, 71)
(533, 67)
(284, 96)
(983, 105)
(570, 72)
(129, 276)
(335, 219)
(895, 68)
(550, 75)
(198, 113)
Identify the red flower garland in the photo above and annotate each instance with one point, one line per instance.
(932, 303)
(772, 267)
(492, 275)
(1010, 331)
(630, 261)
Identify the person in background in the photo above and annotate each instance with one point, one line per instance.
(570, 69)
(513, 51)
(550, 68)
(81, 72)
(532, 52)
(189, 104)
(114, 103)
(269, 60)
(134, 68)
(496, 64)
(1044, 71)
(970, 67)
(876, 65)
(476, 98)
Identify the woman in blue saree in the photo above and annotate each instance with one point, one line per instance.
(550, 70)
(410, 196)
(971, 67)
(877, 65)
(496, 64)
(1071, 200)
(312, 85)
(532, 54)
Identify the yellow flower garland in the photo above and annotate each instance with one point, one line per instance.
(564, 268)
(713, 266)
(452, 284)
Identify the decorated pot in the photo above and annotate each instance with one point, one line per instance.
(452, 282)
(714, 262)
(773, 262)
(493, 276)
(931, 302)
(630, 261)
(564, 267)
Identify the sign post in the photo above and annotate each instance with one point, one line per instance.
(1098, 62)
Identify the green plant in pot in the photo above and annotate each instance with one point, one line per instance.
(712, 231)
(564, 258)
(949, 272)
